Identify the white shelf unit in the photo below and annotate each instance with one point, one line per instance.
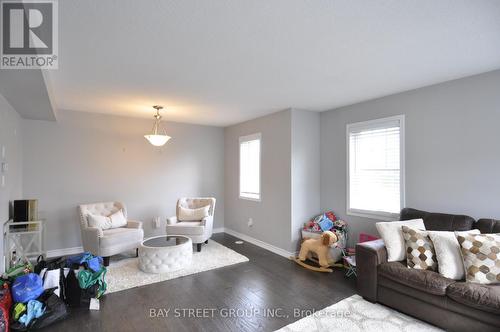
(26, 238)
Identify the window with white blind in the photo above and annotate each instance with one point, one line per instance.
(375, 173)
(250, 167)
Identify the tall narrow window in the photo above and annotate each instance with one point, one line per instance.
(250, 167)
(376, 167)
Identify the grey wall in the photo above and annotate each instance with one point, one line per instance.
(290, 165)
(10, 138)
(87, 157)
(452, 163)
(272, 215)
(305, 170)
(452, 148)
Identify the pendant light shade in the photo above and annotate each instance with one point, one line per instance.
(158, 137)
(157, 140)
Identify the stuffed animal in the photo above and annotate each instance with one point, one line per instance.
(320, 247)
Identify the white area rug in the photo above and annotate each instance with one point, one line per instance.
(125, 273)
(355, 314)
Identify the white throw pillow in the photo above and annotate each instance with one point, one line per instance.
(115, 220)
(118, 219)
(193, 214)
(450, 263)
(101, 222)
(392, 234)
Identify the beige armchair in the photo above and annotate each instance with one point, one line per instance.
(111, 241)
(199, 230)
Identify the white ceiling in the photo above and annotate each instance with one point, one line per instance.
(221, 62)
(26, 92)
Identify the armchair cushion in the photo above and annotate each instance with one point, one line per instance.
(186, 228)
(187, 214)
(101, 209)
(195, 203)
(96, 221)
(118, 219)
(118, 236)
(115, 220)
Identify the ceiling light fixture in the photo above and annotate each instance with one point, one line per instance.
(158, 137)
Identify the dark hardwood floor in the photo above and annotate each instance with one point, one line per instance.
(241, 297)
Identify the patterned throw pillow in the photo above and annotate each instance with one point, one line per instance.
(420, 253)
(481, 255)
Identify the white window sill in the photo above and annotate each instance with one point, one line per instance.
(374, 215)
(253, 199)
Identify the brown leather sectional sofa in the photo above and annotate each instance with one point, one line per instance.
(449, 304)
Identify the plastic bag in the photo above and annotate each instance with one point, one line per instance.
(55, 310)
(5, 305)
(34, 309)
(54, 279)
(27, 287)
(50, 264)
(86, 279)
(86, 259)
(76, 296)
(72, 290)
(18, 270)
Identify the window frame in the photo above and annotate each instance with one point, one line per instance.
(243, 139)
(387, 216)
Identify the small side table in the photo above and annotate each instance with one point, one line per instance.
(26, 240)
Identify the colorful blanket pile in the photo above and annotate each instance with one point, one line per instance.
(327, 222)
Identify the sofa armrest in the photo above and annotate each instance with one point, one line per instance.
(208, 222)
(134, 224)
(90, 239)
(94, 232)
(172, 220)
(369, 255)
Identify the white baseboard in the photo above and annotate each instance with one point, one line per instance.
(64, 252)
(259, 243)
(218, 230)
(244, 237)
(77, 250)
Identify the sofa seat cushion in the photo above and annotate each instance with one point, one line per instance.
(186, 228)
(478, 296)
(423, 280)
(117, 236)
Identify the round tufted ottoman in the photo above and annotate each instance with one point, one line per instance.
(161, 254)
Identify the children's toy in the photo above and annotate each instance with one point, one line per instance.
(327, 222)
(320, 247)
(350, 266)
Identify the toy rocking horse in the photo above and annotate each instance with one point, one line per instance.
(321, 248)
